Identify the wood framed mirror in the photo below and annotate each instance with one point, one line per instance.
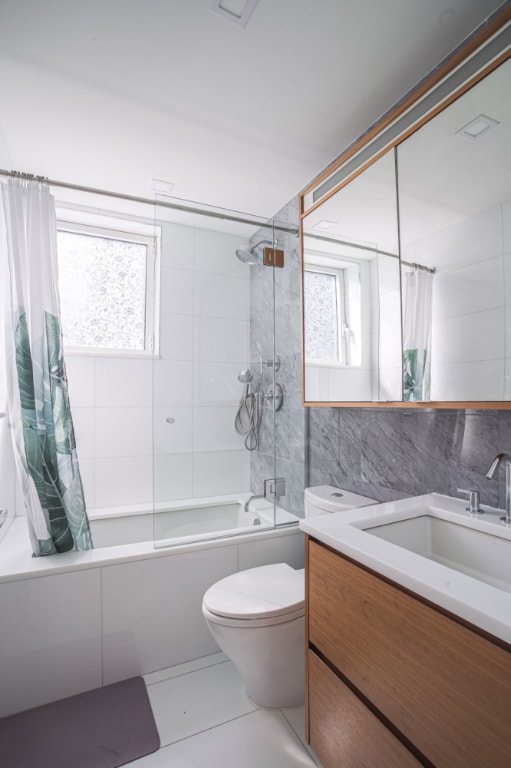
(406, 246)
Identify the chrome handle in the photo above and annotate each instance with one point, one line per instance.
(3, 516)
(473, 501)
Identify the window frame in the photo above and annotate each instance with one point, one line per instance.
(128, 231)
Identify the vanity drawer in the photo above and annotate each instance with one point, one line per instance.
(446, 688)
(343, 731)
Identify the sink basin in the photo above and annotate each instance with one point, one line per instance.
(476, 553)
(433, 547)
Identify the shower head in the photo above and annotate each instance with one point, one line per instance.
(248, 253)
(245, 377)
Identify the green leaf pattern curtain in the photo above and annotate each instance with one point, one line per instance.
(417, 317)
(37, 391)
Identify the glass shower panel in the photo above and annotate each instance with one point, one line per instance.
(213, 430)
(289, 415)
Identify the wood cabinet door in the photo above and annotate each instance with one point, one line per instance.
(443, 686)
(343, 732)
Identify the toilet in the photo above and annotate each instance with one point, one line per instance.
(257, 619)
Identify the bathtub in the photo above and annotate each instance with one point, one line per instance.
(182, 522)
(79, 620)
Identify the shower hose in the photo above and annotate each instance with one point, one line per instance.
(248, 420)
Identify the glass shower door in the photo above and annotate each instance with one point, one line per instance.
(214, 426)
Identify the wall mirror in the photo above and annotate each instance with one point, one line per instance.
(406, 248)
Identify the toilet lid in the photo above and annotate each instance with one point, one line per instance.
(270, 590)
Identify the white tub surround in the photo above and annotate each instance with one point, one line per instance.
(113, 612)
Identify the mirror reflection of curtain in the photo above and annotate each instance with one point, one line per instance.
(38, 403)
(417, 316)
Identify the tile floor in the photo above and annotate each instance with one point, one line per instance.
(205, 718)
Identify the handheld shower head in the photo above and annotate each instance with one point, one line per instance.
(245, 377)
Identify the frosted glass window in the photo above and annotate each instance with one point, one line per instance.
(103, 290)
(321, 316)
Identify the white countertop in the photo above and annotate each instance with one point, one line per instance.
(481, 604)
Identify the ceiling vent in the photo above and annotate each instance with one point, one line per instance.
(236, 11)
(477, 127)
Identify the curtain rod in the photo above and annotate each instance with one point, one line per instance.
(360, 247)
(419, 266)
(239, 219)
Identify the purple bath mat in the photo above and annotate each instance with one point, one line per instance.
(103, 728)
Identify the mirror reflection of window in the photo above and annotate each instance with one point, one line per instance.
(352, 327)
(332, 297)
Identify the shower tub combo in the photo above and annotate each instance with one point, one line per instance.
(132, 605)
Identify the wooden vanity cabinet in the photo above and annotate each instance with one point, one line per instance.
(391, 681)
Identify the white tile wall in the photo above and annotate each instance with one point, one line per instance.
(51, 639)
(213, 429)
(219, 472)
(83, 422)
(87, 475)
(468, 289)
(173, 477)
(279, 549)
(216, 252)
(80, 373)
(176, 336)
(204, 343)
(470, 241)
(470, 323)
(173, 383)
(177, 246)
(123, 432)
(478, 380)
(165, 596)
(335, 383)
(470, 337)
(123, 382)
(221, 296)
(177, 290)
(217, 383)
(221, 340)
(175, 437)
(120, 480)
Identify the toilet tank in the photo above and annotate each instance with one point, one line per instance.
(322, 499)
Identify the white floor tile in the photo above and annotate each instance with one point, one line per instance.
(197, 701)
(261, 738)
(183, 669)
(296, 719)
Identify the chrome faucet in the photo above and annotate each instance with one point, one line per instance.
(490, 474)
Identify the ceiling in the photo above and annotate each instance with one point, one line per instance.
(116, 93)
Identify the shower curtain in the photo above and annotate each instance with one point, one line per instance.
(38, 403)
(418, 302)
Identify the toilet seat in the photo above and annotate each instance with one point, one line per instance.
(269, 594)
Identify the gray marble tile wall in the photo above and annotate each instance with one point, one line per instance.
(281, 451)
(389, 454)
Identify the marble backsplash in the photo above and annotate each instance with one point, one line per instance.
(389, 454)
